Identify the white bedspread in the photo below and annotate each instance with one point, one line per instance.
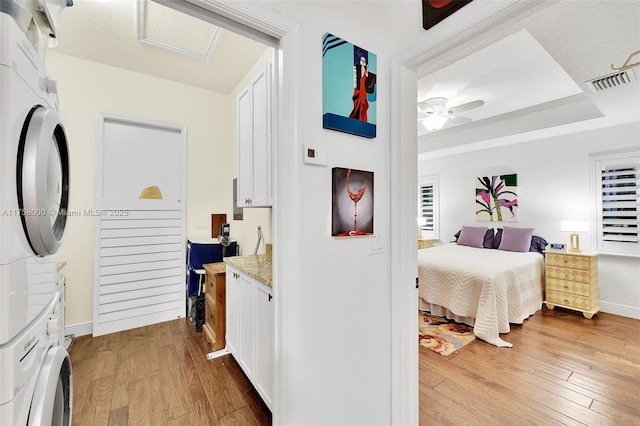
(493, 287)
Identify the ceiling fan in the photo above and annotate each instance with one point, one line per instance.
(434, 114)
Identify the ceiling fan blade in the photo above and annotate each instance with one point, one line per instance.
(466, 107)
(458, 120)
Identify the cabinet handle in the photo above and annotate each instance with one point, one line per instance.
(270, 297)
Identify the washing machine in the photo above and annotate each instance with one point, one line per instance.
(34, 179)
(37, 385)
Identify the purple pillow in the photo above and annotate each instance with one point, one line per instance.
(472, 236)
(516, 239)
(487, 241)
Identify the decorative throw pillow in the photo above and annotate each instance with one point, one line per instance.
(472, 236)
(538, 244)
(516, 239)
(497, 238)
(487, 241)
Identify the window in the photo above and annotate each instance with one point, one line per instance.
(428, 216)
(616, 186)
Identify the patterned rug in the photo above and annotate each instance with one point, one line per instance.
(442, 335)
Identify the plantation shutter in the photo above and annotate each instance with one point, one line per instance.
(618, 204)
(428, 207)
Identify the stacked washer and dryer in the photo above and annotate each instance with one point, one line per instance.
(35, 369)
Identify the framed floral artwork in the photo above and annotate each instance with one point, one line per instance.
(349, 98)
(497, 198)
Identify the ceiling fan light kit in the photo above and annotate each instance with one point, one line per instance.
(435, 122)
(436, 115)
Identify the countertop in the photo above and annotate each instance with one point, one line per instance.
(256, 266)
(215, 268)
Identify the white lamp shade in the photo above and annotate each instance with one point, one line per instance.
(574, 225)
(435, 122)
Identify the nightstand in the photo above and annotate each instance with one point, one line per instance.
(572, 281)
(425, 243)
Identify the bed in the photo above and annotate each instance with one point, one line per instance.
(483, 287)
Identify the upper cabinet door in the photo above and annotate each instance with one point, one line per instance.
(254, 141)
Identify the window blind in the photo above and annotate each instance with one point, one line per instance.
(616, 186)
(427, 207)
(620, 200)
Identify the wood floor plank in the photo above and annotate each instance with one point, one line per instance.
(119, 416)
(145, 402)
(221, 391)
(240, 417)
(97, 405)
(203, 414)
(122, 377)
(175, 395)
(189, 370)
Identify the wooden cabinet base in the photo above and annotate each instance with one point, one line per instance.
(587, 314)
(214, 345)
(215, 305)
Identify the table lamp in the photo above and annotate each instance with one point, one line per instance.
(574, 226)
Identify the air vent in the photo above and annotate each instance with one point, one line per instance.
(610, 81)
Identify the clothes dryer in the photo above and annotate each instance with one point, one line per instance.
(34, 181)
(37, 385)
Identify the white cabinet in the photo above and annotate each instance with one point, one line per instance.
(233, 310)
(264, 338)
(249, 335)
(254, 141)
(246, 351)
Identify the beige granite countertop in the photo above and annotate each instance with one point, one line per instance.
(256, 266)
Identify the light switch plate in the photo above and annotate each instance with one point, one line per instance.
(314, 155)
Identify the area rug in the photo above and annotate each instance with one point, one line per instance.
(442, 335)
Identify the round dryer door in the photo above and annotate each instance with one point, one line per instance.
(43, 180)
(51, 403)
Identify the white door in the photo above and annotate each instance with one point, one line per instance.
(43, 180)
(140, 224)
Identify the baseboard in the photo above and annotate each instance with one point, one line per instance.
(622, 310)
(77, 330)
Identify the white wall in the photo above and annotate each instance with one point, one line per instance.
(338, 334)
(87, 88)
(553, 184)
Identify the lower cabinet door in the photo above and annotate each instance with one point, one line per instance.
(233, 310)
(247, 348)
(264, 338)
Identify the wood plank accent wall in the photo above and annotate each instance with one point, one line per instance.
(141, 270)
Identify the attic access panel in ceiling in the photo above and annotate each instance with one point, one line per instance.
(175, 31)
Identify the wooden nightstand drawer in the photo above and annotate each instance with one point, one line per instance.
(569, 300)
(568, 261)
(210, 312)
(569, 274)
(580, 289)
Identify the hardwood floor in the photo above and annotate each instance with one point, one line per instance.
(158, 375)
(562, 369)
